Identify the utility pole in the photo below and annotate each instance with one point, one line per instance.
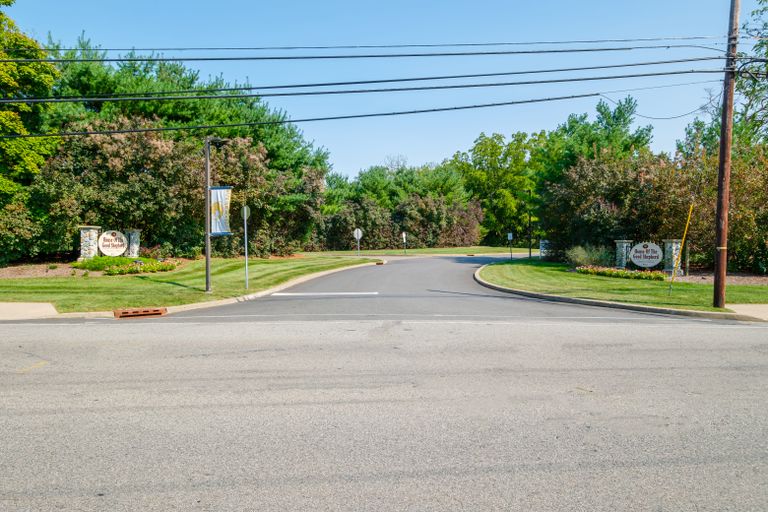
(724, 172)
(207, 215)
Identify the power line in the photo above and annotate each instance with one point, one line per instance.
(287, 121)
(332, 118)
(665, 86)
(390, 46)
(354, 91)
(393, 80)
(667, 118)
(59, 60)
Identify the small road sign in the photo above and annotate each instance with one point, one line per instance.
(358, 234)
(245, 212)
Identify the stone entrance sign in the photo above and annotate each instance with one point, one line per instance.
(113, 243)
(646, 254)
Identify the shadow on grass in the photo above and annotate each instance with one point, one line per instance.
(172, 283)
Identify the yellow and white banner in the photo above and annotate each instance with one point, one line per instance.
(220, 199)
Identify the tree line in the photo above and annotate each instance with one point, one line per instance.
(588, 181)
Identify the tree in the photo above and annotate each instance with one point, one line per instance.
(21, 159)
(553, 154)
(496, 173)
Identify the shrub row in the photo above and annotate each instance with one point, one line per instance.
(136, 268)
(100, 263)
(648, 275)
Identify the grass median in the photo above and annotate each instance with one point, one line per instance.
(182, 286)
(475, 249)
(559, 279)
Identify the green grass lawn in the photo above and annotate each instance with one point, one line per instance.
(183, 286)
(475, 249)
(556, 279)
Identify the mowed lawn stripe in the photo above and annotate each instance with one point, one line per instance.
(559, 279)
(183, 286)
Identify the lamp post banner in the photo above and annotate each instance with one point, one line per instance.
(220, 200)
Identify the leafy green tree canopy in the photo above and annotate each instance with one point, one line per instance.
(21, 159)
(497, 174)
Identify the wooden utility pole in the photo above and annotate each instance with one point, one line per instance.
(724, 173)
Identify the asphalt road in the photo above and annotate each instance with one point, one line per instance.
(409, 387)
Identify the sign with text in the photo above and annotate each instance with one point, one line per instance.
(646, 255)
(113, 243)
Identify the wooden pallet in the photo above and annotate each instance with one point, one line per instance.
(139, 312)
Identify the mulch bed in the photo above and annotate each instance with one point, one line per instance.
(709, 278)
(42, 270)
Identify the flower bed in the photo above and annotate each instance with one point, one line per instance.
(648, 275)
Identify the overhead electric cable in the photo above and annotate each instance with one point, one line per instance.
(393, 46)
(58, 60)
(203, 89)
(665, 118)
(664, 86)
(353, 91)
(331, 118)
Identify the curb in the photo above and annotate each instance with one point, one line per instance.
(224, 302)
(615, 305)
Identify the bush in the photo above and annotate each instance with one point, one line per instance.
(135, 268)
(589, 255)
(102, 262)
(648, 275)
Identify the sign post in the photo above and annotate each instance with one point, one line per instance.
(510, 236)
(405, 244)
(246, 213)
(358, 234)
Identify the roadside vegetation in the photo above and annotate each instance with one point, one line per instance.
(475, 249)
(560, 279)
(183, 286)
(583, 183)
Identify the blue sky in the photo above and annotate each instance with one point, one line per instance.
(356, 144)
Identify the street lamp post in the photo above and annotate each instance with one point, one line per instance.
(208, 142)
(207, 215)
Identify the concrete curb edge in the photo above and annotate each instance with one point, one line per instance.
(615, 305)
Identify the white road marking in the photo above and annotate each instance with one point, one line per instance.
(322, 294)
